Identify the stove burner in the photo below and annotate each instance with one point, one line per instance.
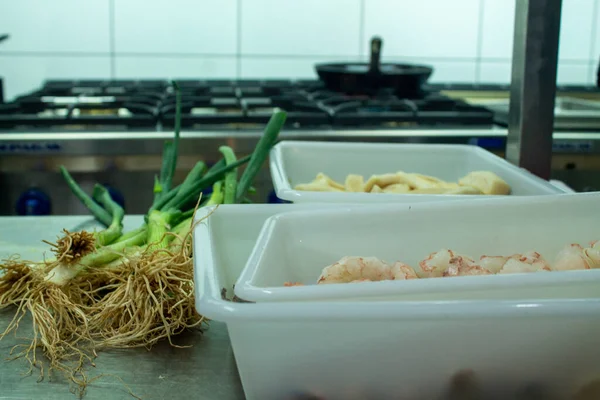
(224, 104)
(81, 112)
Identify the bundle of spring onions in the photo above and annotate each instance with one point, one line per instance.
(115, 289)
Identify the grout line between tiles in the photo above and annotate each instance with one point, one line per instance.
(479, 44)
(111, 33)
(237, 56)
(361, 29)
(18, 53)
(238, 64)
(176, 55)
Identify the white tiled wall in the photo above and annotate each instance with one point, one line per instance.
(464, 40)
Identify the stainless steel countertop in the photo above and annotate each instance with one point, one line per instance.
(205, 371)
(150, 143)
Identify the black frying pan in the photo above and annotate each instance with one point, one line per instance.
(405, 80)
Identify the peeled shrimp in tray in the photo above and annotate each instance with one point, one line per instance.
(443, 263)
(364, 269)
(448, 263)
(574, 257)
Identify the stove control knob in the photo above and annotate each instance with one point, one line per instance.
(116, 195)
(273, 199)
(34, 202)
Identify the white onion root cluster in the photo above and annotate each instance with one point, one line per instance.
(136, 301)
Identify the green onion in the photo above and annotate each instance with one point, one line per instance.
(261, 152)
(159, 223)
(192, 177)
(135, 232)
(97, 211)
(61, 274)
(158, 205)
(165, 169)
(217, 166)
(191, 193)
(114, 230)
(217, 195)
(158, 190)
(170, 150)
(173, 208)
(230, 177)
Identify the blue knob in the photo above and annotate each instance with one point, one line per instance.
(116, 195)
(33, 202)
(206, 193)
(273, 199)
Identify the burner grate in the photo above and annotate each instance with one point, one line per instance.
(227, 104)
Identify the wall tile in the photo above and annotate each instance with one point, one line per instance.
(575, 33)
(25, 73)
(499, 72)
(307, 27)
(453, 72)
(576, 29)
(498, 26)
(595, 48)
(494, 72)
(285, 67)
(175, 26)
(195, 39)
(55, 26)
(573, 74)
(175, 67)
(424, 28)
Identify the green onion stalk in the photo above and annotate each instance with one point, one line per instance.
(171, 213)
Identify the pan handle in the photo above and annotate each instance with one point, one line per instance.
(375, 58)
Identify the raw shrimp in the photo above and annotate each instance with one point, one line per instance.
(350, 269)
(593, 253)
(493, 263)
(574, 257)
(526, 262)
(290, 284)
(439, 262)
(401, 271)
(461, 266)
(571, 257)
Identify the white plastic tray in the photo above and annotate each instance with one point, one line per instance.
(295, 162)
(383, 350)
(295, 247)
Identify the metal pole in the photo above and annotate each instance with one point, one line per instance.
(533, 85)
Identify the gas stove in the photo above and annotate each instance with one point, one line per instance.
(113, 132)
(127, 105)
